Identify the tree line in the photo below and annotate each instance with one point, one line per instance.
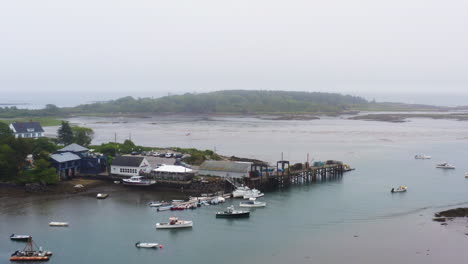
(230, 101)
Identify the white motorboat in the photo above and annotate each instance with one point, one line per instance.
(445, 165)
(174, 222)
(401, 188)
(240, 191)
(466, 174)
(138, 181)
(20, 237)
(155, 204)
(146, 245)
(58, 224)
(422, 156)
(252, 203)
(102, 195)
(254, 193)
(164, 208)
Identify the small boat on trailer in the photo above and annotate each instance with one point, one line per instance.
(174, 222)
(102, 195)
(146, 245)
(232, 213)
(30, 253)
(401, 188)
(253, 203)
(60, 224)
(19, 237)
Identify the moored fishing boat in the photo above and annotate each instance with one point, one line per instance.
(138, 181)
(232, 213)
(466, 174)
(254, 193)
(58, 224)
(252, 203)
(30, 253)
(401, 188)
(19, 237)
(240, 191)
(445, 165)
(174, 222)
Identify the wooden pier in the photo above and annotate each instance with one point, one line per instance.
(286, 175)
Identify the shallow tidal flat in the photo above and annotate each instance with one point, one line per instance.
(400, 118)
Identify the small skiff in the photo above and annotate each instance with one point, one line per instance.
(146, 245)
(174, 222)
(58, 224)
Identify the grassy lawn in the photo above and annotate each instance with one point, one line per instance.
(45, 121)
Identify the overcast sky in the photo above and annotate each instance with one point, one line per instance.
(134, 46)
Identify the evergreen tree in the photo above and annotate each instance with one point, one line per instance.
(65, 134)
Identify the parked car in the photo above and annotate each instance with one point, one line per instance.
(178, 156)
(168, 155)
(162, 155)
(155, 154)
(135, 153)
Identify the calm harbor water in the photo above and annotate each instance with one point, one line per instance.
(354, 219)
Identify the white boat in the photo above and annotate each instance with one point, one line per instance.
(252, 203)
(240, 191)
(138, 181)
(422, 156)
(466, 174)
(164, 208)
(174, 222)
(155, 204)
(445, 165)
(146, 245)
(58, 224)
(401, 188)
(254, 193)
(102, 195)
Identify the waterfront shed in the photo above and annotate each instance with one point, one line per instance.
(27, 129)
(231, 169)
(130, 166)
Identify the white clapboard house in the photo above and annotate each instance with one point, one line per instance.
(130, 165)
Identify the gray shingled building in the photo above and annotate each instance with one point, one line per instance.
(231, 169)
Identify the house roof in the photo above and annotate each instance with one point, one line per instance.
(64, 157)
(173, 169)
(128, 161)
(25, 127)
(231, 166)
(73, 148)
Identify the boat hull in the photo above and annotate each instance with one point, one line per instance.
(20, 238)
(59, 224)
(236, 215)
(44, 258)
